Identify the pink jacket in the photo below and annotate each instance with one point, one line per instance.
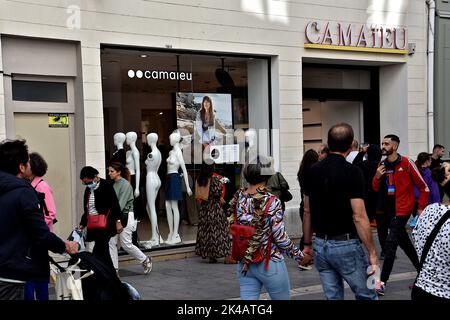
(44, 187)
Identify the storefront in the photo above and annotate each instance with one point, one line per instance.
(287, 69)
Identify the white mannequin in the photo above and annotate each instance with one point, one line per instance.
(119, 155)
(133, 159)
(174, 161)
(119, 139)
(153, 184)
(250, 151)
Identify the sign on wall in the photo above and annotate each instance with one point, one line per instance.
(58, 120)
(354, 37)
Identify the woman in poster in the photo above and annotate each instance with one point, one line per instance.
(205, 122)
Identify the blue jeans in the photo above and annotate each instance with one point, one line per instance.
(38, 287)
(275, 280)
(342, 260)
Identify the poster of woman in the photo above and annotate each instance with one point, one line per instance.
(206, 116)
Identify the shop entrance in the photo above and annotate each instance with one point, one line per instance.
(55, 146)
(333, 94)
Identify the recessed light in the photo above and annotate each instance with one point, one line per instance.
(143, 56)
(160, 113)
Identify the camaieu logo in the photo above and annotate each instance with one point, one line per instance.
(160, 75)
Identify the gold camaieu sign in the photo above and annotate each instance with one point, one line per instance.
(352, 37)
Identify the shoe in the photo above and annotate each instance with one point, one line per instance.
(175, 239)
(380, 288)
(212, 260)
(148, 265)
(305, 268)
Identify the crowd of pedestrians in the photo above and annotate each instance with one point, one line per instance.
(344, 187)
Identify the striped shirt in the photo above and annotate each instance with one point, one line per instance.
(274, 226)
(92, 209)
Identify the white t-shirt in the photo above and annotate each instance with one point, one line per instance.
(435, 275)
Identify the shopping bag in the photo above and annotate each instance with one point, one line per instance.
(77, 236)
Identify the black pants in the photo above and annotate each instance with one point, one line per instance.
(12, 291)
(397, 237)
(101, 249)
(419, 294)
(382, 229)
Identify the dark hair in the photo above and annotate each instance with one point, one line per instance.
(325, 148)
(393, 137)
(88, 172)
(206, 172)
(421, 159)
(38, 164)
(253, 170)
(374, 153)
(438, 174)
(123, 171)
(309, 158)
(340, 137)
(211, 111)
(13, 153)
(438, 146)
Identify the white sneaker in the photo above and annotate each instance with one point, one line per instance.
(175, 239)
(148, 265)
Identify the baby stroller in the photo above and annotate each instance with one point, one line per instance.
(97, 280)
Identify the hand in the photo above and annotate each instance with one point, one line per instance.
(307, 250)
(119, 227)
(136, 193)
(71, 247)
(373, 261)
(380, 171)
(189, 191)
(306, 261)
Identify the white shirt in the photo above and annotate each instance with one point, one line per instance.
(351, 156)
(435, 275)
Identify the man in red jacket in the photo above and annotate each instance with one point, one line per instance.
(394, 180)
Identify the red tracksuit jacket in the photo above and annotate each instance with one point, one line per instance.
(406, 175)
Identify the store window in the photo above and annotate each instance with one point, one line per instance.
(158, 92)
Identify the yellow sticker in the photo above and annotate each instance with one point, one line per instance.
(58, 120)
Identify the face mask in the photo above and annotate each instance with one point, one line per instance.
(92, 185)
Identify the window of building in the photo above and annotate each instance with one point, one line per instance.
(39, 91)
(153, 91)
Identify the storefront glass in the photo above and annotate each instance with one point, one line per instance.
(157, 92)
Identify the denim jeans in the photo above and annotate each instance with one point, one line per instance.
(40, 288)
(342, 260)
(275, 280)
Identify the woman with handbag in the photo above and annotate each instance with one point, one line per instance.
(124, 191)
(255, 206)
(212, 236)
(102, 215)
(432, 246)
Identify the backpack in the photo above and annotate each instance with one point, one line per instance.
(242, 234)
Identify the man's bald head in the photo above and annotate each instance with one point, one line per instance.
(340, 137)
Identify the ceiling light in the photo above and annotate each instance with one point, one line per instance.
(143, 56)
(160, 113)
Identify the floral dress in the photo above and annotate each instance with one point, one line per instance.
(213, 235)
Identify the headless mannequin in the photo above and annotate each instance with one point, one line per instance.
(153, 184)
(132, 159)
(249, 153)
(120, 155)
(174, 161)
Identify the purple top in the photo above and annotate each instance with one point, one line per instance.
(432, 185)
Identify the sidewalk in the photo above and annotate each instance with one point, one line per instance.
(195, 279)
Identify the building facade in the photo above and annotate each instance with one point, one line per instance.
(290, 68)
